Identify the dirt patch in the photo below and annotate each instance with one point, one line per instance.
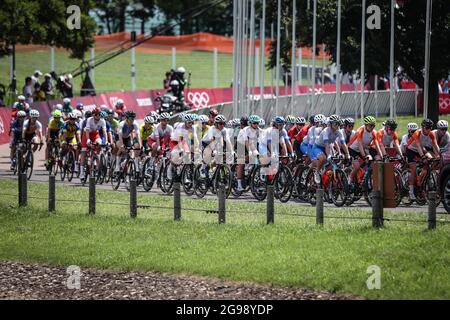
(33, 281)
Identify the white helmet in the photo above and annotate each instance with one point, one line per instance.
(34, 113)
(21, 113)
(149, 119)
(66, 101)
(442, 124)
(181, 70)
(319, 118)
(220, 118)
(413, 126)
(262, 123)
(119, 102)
(174, 83)
(21, 98)
(58, 106)
(203, 118)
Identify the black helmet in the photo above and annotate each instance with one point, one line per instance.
(244, 120)
(427, 123)
(130, 114)
(391, 123)
(88, 114)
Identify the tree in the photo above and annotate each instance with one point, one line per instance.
(44, 22)
(143, 10)
(112, 13)
(409, 38)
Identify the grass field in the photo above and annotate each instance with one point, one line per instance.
(114, 75)
(294, 251)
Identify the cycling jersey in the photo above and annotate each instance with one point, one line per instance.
(404, 142)
(161, 133)
(30, 128)
(95, 126)
(328, 136)
(362, 137)
(145, 132)
(442, 141)
(426, 141)
(248, 133)
(385, 139)
(214, 133)
(55, 125)
(186, 134)
(125, 129)
(294, 133)
(200, 131)
(347, 135)
(70, 129)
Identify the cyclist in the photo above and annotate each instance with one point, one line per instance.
(16, 130)
(412, 127)
(21, 104)
(266, 147)
(109, 137)
(129, 136)
(80, 108)
(182, 142)
(363, 145)
(53, 130)
(295, 135)
(145, 130)
(387, 138)
(290, 122)
(93, 126)
(211, 116)
(66, 108)
(70, 134)
(304, 146)
(120, 108)
(442, 135)
(202, 127)
(160, 137)
(32, 129)
(247, 146)
(262, 124)
(422, 144)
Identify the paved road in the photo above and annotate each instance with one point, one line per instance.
(40, 175)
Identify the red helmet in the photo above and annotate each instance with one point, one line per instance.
(96, 111)
(213, 112)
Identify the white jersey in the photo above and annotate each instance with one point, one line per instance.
(93, 125)
(403, 143)
(214, 133)
(248, 133)
(316, 134)
(347, 136)
(443, 142)
(328, 136)
(182, 133)
(309, 138)
(159, 132)
(31, 128)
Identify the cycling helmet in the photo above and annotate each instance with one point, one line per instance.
(229, 124)
(149, 119)
(78, 114)
(119, 102)
(254, 118)
(236, 122)
(213, 112)
(194, 116)
(181, 70)
(34, 113)
(348, 121)
(203, 118)
(21, 98)
(104, 107)
(104, 114)
(164, 116)
(80, 106)
(110, 112)
(319, 119)
(427, 123)
(300, 120)
(391, 123)
(88, 114)
(56, 114)
(72, 115)
(334, 119)
(290, 119)
(188, 118)
(278, 120)
(442, 124)
(130, 114)
(220, 119)
(174, 83)
(262, 123)
(370, 120)
(412, 126)
(58, 106)
(21, 114)
(96, 111)
(244, 121)
(182, 116)
(66, 101)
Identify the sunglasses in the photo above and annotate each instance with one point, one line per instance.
(255, 123)
(350, 126)
(221, 123)
(443, 129)
(427, 127)
(371, 125)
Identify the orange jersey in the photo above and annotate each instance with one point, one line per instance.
(385, 139)
(425, 140)
(362, 137)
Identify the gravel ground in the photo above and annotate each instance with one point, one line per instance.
(33, 281)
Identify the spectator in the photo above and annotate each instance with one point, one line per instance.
(445, 87)
(38, 94)
(47, 87)
(166, 81)
(66, 86)
(28, 90)
(35, 76)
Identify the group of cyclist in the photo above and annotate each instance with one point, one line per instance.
(203, 138)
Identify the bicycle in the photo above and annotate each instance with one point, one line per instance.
(128, 170)
(68, 163)
(25, 158)
(335, 183)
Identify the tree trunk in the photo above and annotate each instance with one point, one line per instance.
(142, 26)
(433, 99)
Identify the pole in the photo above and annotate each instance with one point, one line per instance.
(432, 210)
(338, 61)
(300, 60)
(415, 100)
(174, 58)
(251, 55)
(52, 58)
(272, 75)
(215, 68)
(51, 193)
(313, 76)
(363, 47)
(270, 204)
(376, 96)
(245, 59)
(427, 59)
(91, 194)
(377, 222)
(133, 70)
(319, 206)
(293, 63)
(235, 46)
(176, 200)
(278, 56)
(391, 64)
(221, 196)
(263, 52)
(14, 81)
(133, 198)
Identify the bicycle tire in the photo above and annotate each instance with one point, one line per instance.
(70, 165)
(338, 188)
(200, 183)
(283, 184)
(187, 179)
(258, 185)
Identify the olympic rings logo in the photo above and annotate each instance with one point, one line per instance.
(199, 100)
(444, 103)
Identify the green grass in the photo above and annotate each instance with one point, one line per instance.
(293, 252)
(114, 75)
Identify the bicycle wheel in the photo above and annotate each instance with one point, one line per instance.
(367, 188)
(109, 166)
(432, 185)
(283, 184)
(398, 186)
(29, 162)
(338, 188)
(149, 174)
(258, 184)
(63, 168)
(70, 165)
(102, 169)
(223, 176)
(129, 173)
(187, 179)
(85, 178)
(200, 183)
(312, 184)
(116, 177)
(234, 182)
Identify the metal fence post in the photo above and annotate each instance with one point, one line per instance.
(133, 198)
(19, 180)
(381, 188)
(51, 193)
(23, 189)
(176, 200)
(432, 210)
(221, 196)
(91, 194)
(319, 206)
(377, 208)
(270, 204)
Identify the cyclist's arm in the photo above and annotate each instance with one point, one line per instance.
(397, 145)
(380, 143)
(435, 145)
